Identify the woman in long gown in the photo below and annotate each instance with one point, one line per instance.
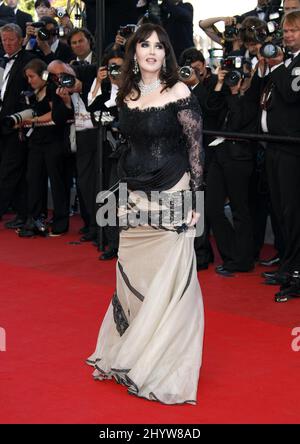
(151, 337)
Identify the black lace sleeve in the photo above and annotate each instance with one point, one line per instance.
(189, 116)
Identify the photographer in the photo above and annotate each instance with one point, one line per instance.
(253, 33)
(201, 81)
(12, 149)
(42, 40)
(45, 157)
(280, 105)
(65, 24)
(231, 168)
(72, 100)
(229, 39)
(102, 97)
(82, 45)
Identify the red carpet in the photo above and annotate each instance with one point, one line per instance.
(53, 297)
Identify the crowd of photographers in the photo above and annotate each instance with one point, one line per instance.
(53, 97)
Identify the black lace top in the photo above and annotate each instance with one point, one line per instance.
(163, 143)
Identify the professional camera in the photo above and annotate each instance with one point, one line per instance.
(17, 119)
(61, 12)
(114, 70)
(230, 32)
(270, 50)
(63, 80)
(237, 69)
(127, 30)
(42, 32)
(185, 72)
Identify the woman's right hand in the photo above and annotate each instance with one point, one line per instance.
(221, 76)
(102, 74)
(228, 21)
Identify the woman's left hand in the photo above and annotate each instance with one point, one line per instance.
(193, 218)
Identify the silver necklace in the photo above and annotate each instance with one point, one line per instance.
(147, 89)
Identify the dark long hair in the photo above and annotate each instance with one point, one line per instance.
(129, 80)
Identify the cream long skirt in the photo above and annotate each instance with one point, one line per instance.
(152, 334)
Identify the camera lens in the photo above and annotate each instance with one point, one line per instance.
(185, 72)
(43, 34)
(232, 78)
(114, 70)
(269, 51)
(67, 80)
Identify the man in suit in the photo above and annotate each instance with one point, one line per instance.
(21, 17)
(12, 150)
(262, 10)
(82, 44)
(50, 49)
(6, 14)
(280, 116)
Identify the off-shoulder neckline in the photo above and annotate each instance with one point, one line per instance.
(159, 108)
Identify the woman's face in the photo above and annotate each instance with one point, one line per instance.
(150, 54)
(34, 80)
(43, 11)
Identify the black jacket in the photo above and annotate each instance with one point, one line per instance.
(7, 15)
(236, 114)
(284, 108)
(21, 19)
(16, 83)
(63, 53)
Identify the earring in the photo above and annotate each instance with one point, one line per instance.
(136, 68)
(164, 67)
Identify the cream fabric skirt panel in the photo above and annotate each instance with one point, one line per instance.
(152, 335)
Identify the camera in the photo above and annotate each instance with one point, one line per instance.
(61, 12)
(185, 72)
(269, 50)
(230, 32)
(45, 34)
(274, 28)
(14, 120)
(42, 32)
(127, 30)
(235, 66)
(63, 80)
(114, 70)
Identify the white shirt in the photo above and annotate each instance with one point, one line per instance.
(6, 74)
(53, 46)
(113, 95)
(83, 119)
(87, 59)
